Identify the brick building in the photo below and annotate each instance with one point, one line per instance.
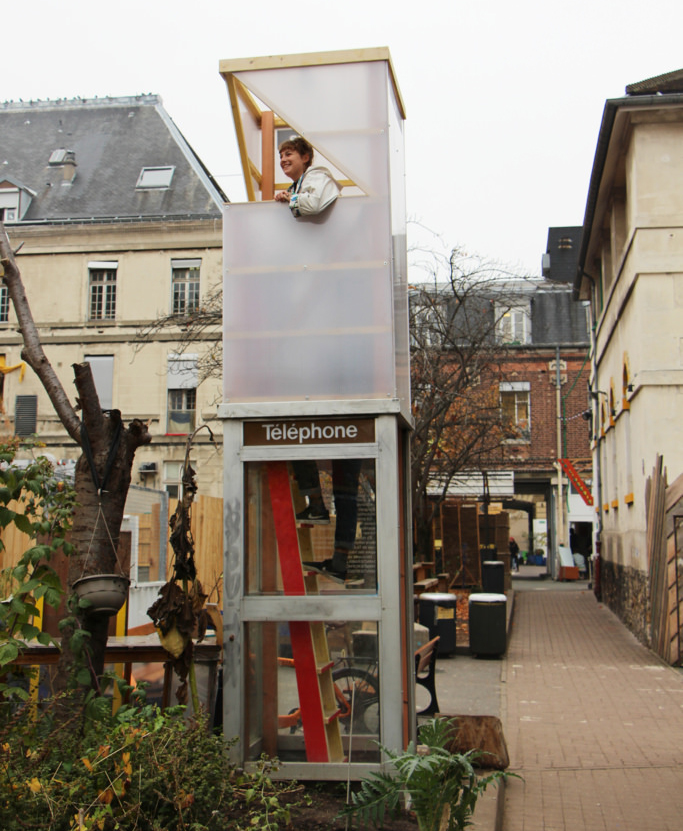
(545, 339)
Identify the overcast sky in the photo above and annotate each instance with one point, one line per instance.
(503, 99)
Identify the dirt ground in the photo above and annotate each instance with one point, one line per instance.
(327, 800)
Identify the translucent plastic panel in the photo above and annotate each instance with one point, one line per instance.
(341, 494)
(308, 303)
(402, 340)
(398, 229)
(397, 170)
(341, 109)
(275, 720)
(252, 136)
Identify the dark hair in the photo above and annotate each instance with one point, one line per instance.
(302, 147)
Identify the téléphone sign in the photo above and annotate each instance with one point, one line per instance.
(302, 432)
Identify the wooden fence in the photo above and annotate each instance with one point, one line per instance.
(664, 548)
(207, 532)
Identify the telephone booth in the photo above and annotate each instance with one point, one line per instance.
(316, 413)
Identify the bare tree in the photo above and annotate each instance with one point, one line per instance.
(199, 326)
(455, 314)
(456, 356)
(103, 471)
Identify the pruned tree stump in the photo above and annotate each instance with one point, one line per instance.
(481, 733)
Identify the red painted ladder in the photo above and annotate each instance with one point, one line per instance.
(312, 664)
(576, 480)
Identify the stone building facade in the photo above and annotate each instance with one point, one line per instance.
(120, 223)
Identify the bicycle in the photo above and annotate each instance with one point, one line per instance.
(356, 692)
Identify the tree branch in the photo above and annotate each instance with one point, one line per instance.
(33, 352)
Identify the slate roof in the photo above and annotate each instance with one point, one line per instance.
(666, 83)
(112, 140)
(556, 318)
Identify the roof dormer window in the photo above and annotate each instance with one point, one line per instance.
(155, 177)
(57, 157)
(14, 200)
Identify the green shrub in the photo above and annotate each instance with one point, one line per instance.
(440, 787)
(40, 505)
(141, 769)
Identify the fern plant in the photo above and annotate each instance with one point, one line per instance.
(440, 787)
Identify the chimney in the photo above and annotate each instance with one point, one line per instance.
(69, 167)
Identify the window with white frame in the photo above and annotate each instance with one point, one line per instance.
(181, 383)
(155, 177)
(173, 478)
(173, 474)
(4, 302)
(102, 290)
(184, 286)
(9, 204)
(514, 324)
(515, 410)
(426, 325)
(181, 411)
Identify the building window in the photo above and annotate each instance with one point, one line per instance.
(9, 203)
(182, 380)
(515, 410)
(155, 177)
(4, 303)
(173, 478)
(25, 415)
(185, 286)
(181, 411)
(514, 325)
(173, 474)
(102, 291)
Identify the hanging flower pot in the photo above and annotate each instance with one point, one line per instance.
(106, 592)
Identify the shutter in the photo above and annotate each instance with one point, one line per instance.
(25, 415)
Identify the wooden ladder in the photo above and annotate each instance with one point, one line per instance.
(312, 664)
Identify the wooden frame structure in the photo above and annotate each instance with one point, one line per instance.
(315, 331)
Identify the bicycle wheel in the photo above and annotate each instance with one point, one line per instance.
(357, 691)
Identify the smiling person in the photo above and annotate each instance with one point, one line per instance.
(313, 187)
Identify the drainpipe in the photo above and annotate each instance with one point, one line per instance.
(597, 470)
(558, 467)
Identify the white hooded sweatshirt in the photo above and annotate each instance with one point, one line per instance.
(313, 192)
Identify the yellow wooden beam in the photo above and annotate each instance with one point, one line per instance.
(381, 53)
(249, 101)
(232, 83)
(255, 173)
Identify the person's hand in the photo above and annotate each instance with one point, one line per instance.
(282, 196)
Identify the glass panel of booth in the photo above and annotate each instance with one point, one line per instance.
(334, 506)
(275, 700)
(341, 108)
(308, 312)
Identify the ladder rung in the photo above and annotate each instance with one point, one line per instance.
(325, 667)
(331, 716)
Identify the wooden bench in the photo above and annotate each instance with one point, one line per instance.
(422, 570)
(425, 666)
(426, 585)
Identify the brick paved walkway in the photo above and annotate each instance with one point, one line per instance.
(593, 721)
